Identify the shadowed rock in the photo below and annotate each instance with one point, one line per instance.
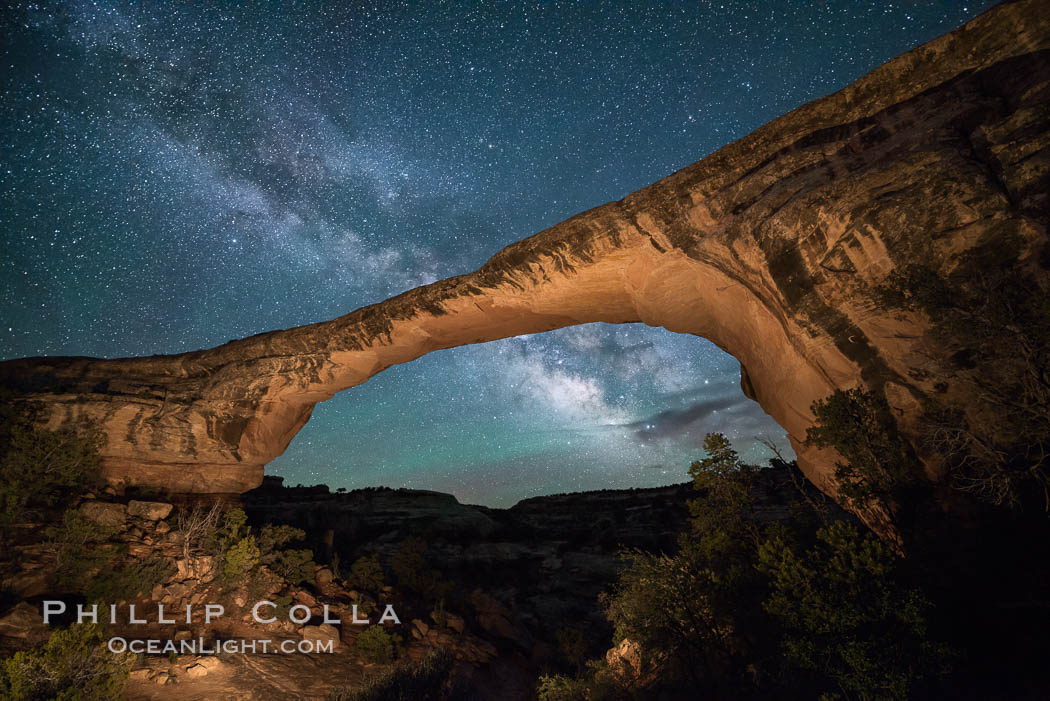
(769, 247)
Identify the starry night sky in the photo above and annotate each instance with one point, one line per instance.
(175, 177)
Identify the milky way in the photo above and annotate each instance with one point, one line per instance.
(175, 177)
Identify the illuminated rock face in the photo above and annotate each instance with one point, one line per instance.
(768, 247)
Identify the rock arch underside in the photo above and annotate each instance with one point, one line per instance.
(769, 247)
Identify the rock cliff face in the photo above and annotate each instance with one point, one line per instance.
(544, 559)
(769, 247)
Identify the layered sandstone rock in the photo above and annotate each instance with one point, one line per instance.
(769, 247)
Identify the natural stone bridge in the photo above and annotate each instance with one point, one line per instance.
(768, 247)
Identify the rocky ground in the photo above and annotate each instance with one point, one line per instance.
(520, 575)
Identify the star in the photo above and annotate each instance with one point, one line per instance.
(174, 176)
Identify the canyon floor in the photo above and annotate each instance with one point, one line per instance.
(515, 578)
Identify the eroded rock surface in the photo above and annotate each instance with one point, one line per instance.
(769, 247)
(544, 559)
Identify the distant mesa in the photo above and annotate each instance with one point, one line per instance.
(769, 248)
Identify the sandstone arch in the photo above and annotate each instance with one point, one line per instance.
(767, 247)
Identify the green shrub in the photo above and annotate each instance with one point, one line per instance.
(879, 464)
(80, 551)
(597, 683)
(431, 679)
(126, 581)
(696, 612)
(408, 564)
(243, 551)
(439, 615)
(714, 618)
(73, 665)
(43, 469)
(294, 566)
(845, 616)
(375, 644)
(668, 605)
(366, 573)
(239, 560)
(990, 319)
(572, 644)
(233, 528)
(274, 537)
(87, 563)
(559, 687)
(720, 518)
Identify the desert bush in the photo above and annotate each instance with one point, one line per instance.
(80, 550)
(87, 563)
(197, 528)
(846, 617)
(596, 683)
(695, 609)
(366, 573)
(990, 319)
(73, 665)
(720, 518)
(714, 616)
(239, 559)
(232, 529)
(42, 469)
(666, 603)
(375, 644)
(558, 687)
(439, 615)
(242, 551)
(128, 580)
(878, 465)
(408, 564)
(294, 566)
(273, 537)
(430, 679)
(573, 646)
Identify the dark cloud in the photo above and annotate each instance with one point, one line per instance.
(675, 423)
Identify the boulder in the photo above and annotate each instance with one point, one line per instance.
(195, 671)
(323, 632)
(149, 510)
(305, 598)
(104, 513)
(27, 583)
(455, 622)
(631, 665)
(495, 619)
(210, 662)
(21, 621)
(199, 567)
